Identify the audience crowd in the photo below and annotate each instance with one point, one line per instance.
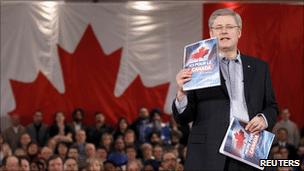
(147, 144)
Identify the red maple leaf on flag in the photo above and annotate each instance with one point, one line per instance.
(89, 77)
(201, 53)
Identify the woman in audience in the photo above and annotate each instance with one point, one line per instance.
(24, 140)
(121, 127)
(59, 130)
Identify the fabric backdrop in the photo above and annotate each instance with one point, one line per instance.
(115, 58)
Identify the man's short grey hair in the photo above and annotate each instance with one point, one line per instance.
(223, 12)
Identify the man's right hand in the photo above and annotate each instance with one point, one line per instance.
(181, 78)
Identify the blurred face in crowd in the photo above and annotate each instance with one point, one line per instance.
(131, 153)
(78, 116)
(60, 117)
(55, 164)
(158, 152)
(25, 165)
(169, 161)
(144, 113)
(20, 152)
(285, 114)
(228, 32)
(129, 137)
(52, 144)
(147, 151)
(15, 119)
(94, 165)
(100, 118)
(12, 164)
(282, 135)
(107, 139)
(90, 150)
(109, 167)
(119, 144)
(25, 139)
(73, 153)
(37, 119)
(101, 153)
(123, 124)
(46, 153)
(62, 149)
(133, 166)
(33, 149)
(81, 136)
(70, 165)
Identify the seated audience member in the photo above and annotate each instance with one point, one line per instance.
(45, 153)
(282, 142)
(121, 127)
(59, 130)
(24, 140)
(140, 125)
(101, 154)
(106, 141)
(12, 134)
(158, 152)
(11, 163)
(155, 138)
(156, 125)
(147, 152)
(70, 164)
(32, 150)
(62, 150)
(169, 162)
(5, 152)
(55, 163)
(24, 163)
(131, 153)
(94, 165)
(80, 138)
(98, 129)
(38, 130)
(134, 165)
(20, 152)
(77, 122)
(292, 129)
(118, 155)
(109, 166)
(183, 130)
(73, 153)
(90, 151)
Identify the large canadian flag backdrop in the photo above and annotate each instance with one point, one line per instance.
(116, 57)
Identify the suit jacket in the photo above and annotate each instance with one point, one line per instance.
(42, 133)
(209, 109)
(11, 137)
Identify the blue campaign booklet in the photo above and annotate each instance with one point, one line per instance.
(202, 58)
(244, 146)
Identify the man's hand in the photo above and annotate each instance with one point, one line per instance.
(183, 76)
(256, 124)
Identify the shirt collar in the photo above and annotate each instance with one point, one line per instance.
(237, 59)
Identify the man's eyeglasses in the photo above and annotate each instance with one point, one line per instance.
(221, 28)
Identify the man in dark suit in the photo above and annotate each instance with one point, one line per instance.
(245, 92)
(38, 130)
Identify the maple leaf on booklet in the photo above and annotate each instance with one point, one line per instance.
(89, 78)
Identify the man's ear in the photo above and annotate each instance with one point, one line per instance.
(239, 33)
(211, 33)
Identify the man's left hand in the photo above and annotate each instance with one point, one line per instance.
(256, 124)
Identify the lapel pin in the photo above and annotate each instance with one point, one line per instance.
(248, 66)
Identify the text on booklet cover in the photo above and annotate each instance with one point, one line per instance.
(245, 146)
(202, 58)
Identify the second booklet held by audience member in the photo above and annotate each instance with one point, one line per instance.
(202, 58)
(245, 146)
